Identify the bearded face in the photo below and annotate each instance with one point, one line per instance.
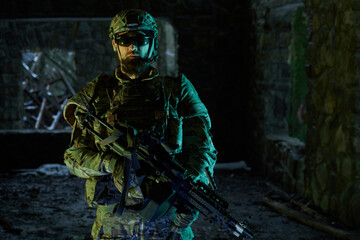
(133, 49)
(134, 65)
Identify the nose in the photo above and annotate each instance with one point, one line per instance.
(133, 46)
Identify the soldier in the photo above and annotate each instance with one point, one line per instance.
(167, 107)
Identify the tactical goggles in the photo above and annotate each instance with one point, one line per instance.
(138, 40)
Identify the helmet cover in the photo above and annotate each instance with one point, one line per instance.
(132, 20)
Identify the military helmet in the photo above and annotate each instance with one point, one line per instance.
(136, 20)
(132, 20)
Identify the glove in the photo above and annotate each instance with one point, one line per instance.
(181, 223)
(183, 220)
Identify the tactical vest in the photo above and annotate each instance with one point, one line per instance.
(140, 104)
(157, 104)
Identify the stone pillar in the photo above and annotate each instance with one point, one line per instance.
(333, 116)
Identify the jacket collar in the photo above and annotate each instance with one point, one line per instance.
(149, 74)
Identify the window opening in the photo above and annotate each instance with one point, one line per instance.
(48, 83)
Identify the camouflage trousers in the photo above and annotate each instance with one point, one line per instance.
(130, 226)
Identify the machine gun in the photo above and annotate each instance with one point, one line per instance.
(192, 195)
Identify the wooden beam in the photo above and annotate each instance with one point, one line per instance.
(302, 206)
(291, 213)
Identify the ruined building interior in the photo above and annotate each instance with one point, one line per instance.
(280, 79)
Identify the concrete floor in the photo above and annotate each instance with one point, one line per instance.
(43, 207)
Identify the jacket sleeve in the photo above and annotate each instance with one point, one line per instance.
(198, 151)
(85, 158)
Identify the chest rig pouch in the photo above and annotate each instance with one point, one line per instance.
(140, 104)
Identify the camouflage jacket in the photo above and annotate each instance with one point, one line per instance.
(168, 106)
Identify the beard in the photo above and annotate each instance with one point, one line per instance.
(134, 66)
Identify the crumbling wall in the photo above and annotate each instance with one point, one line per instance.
(282, 157)
(332, 144)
